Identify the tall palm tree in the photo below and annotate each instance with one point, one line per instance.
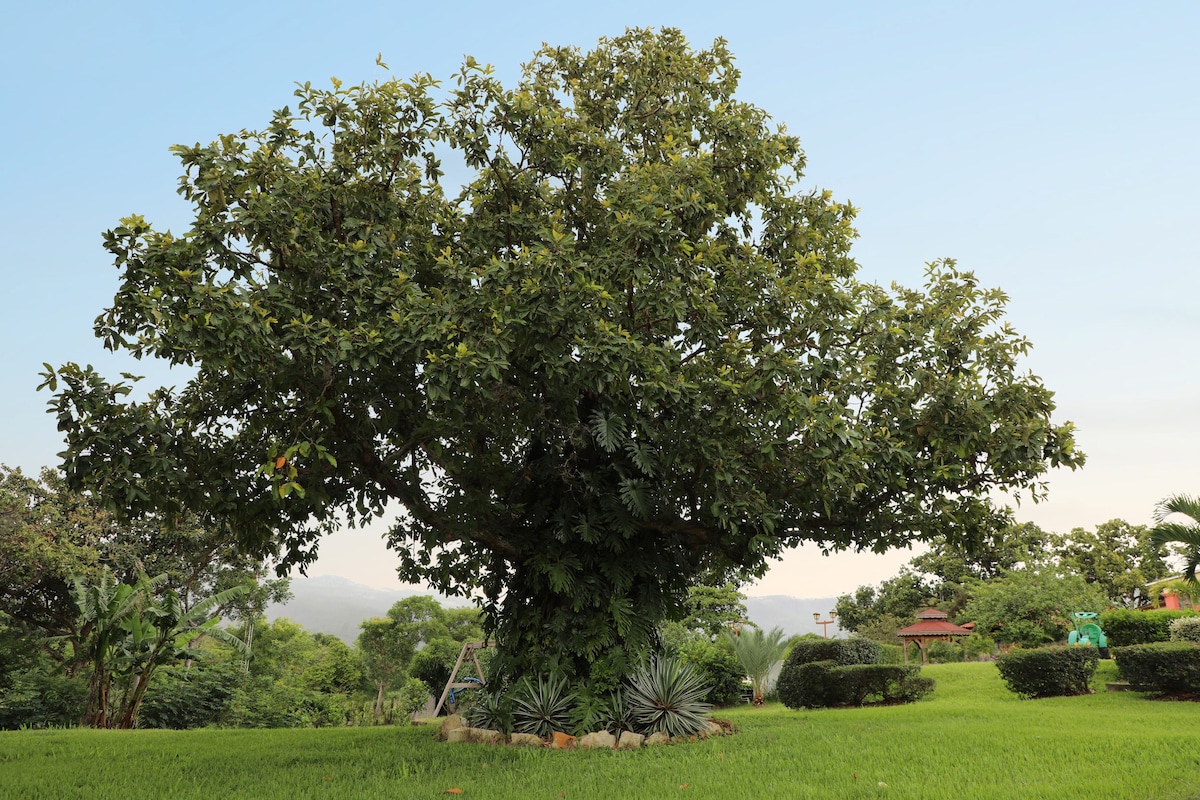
(759, 652)
(1178, 532)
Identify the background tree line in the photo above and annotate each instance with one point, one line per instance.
(1019, 587)
(112, 624)
(88, 636)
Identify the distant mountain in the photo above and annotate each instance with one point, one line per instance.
(334, 605)
(793, 614)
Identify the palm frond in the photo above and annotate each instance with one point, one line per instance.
(1178, 504)
(1175, 531)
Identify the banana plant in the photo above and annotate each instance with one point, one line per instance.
(126, 631)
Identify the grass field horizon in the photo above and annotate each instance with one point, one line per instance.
(970, 739)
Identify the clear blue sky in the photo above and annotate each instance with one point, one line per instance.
(1053, 152)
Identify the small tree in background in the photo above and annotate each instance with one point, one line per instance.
(759, 652)
(385, 649)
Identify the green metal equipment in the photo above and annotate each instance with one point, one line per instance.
(1087, 633)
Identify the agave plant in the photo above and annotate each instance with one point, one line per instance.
(543, 707)
(667, 695)
(493, 711)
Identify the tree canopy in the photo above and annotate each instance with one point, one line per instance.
(629, 349)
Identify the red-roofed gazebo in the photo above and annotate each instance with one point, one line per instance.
(932, 626)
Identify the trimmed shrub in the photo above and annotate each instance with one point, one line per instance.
(807, 685)
(1124, 627)
(1049, 671)
(1164, 667)
(841, 652)
(823, 684)
(879, 683)
(805, 680)
(1185, 629)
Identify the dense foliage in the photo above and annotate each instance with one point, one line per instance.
(721, 669)
(204, 677)
(629, 351)
(1030, 608)
(1186, 629)
(1049, 671)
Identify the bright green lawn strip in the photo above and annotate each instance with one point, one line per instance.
(970, 739)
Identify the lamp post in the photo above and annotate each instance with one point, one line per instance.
(824, 623)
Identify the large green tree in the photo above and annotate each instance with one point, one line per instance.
(885, 610)
(1031, 607)
(1120, 558)
(629, 350)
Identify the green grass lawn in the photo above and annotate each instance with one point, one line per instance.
(970, 739)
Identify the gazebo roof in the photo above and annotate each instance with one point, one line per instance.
(933, 613)
(933, 627)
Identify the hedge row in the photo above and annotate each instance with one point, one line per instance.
(824, 684)
(1162, 667)
(1049, 671)
(1124, 627)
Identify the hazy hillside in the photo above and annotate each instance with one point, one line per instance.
(329, 604)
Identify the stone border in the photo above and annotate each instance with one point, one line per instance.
(452, 729)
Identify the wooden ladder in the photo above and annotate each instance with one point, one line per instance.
(468, 649)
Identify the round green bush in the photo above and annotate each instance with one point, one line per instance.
(855, 650)
(1049, 671)
(1185, 629)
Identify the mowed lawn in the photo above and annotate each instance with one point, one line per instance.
(970, 739)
